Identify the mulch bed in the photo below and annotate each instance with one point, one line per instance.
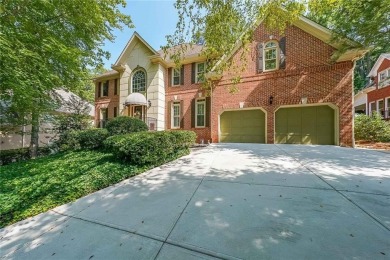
(373, 145)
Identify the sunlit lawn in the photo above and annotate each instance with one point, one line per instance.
(29, 188)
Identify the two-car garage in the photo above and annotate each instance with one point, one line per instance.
(293, 125)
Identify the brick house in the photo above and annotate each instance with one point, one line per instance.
(378, 100)
(291, 90)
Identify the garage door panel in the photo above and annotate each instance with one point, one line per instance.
(305, 125)
(244, 126)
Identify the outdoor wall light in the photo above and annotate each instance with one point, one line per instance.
(241, 104)
(175, 97)
(304, 100)
(149, 103)
(271, 99)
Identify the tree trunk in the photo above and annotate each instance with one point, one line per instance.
(34, 134)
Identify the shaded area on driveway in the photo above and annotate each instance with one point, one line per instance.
(230, 201)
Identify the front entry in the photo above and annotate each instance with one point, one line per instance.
(138, 112)
(242, 126)
(305, 125)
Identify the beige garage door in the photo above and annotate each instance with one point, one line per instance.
(305, 125)
(244, 126)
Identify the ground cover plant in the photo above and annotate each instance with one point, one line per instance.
(31, 187)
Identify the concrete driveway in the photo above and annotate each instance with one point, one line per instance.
(230, 201)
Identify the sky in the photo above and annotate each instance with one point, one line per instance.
(153, 19)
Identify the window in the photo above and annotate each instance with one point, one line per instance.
(200, 69)
(104, 89)
(176, 115)
(382, 76)
(372, 108)
(139, 82)
(270, 56)
(200, 112)
(176, 77)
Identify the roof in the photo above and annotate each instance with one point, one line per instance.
(65, 96)
(186, 50)
(378, 62)
(315, 29)
(129, 44)
(107, 74)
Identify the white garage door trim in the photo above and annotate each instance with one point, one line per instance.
(336, 117)
(241, 109)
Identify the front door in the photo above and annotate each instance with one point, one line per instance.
(138, 112)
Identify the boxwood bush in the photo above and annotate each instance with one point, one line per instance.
(150, 148)
(124, 125)
(88, 139)
(372, 128)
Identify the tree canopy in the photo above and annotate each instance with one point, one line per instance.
(209, 21)
(49, 44)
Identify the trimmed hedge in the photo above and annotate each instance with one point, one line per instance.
(22, 154)
(150, 148)
(372, 128)
(125, 125)
(88, 139)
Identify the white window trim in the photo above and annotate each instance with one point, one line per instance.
(369, 107)
(173, 76)
(196, 71)
(196, 112)
(387, 103)
(102, 88)
(277, 56)
(173, 115)
(146, 82)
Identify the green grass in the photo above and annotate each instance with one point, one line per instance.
(32, 187)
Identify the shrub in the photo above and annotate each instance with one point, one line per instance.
(83, 139)
(124, 125)
(372, 128)
(150, 148)
(22, 154)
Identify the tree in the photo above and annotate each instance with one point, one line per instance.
(49, 44)
(209, 21)
(366, 22)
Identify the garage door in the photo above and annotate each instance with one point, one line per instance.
(244, 126)
(304, 125)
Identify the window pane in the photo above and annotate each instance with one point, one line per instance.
(176, 110)
(200, 120)
(176, 122)
(270, 45)
(139, 82)
(270, 64)
(176, 80)
(200, 67)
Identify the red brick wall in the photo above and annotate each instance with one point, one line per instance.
(111, 101)
(309, 73)
(185, 93)
(378, 94)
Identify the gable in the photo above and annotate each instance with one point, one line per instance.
(136, 41)
(380, 64)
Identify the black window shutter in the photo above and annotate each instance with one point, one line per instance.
(169, 77)
(260, 57)
(99, 89)
(182, 75)
(282, 47)
(208, 111)
(193, 113)
(116, 87)
(181, 114)
(115, 111)
(193, 73)
(169, 114)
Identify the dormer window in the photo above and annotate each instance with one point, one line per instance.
(271, 53)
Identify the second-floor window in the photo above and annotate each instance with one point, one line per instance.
(200, 69)
(270, 56)
(138, 82)
(176, 77)
(104, 90)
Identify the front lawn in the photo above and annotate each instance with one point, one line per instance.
(32, 187)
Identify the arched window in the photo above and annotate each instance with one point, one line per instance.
(271, 53)
(138, 82)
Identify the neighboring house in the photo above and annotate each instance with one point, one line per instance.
(360, 100)
(378, 100)
(290, 91)
(20, 136)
